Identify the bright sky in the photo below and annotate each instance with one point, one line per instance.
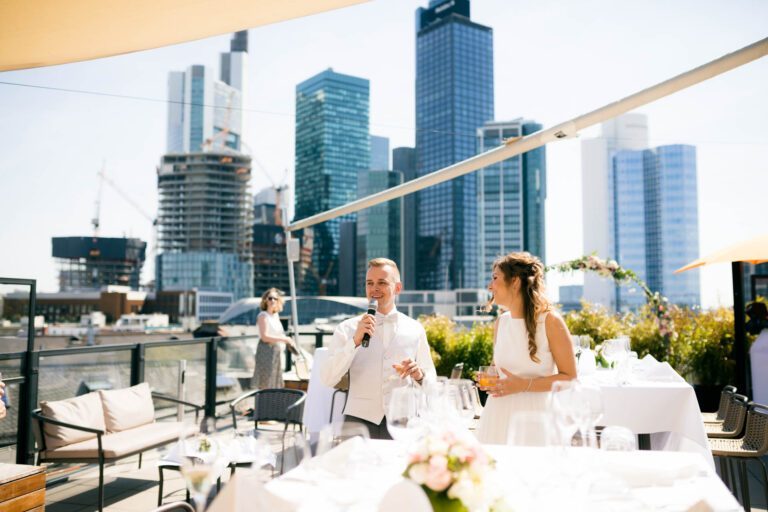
(553, 60)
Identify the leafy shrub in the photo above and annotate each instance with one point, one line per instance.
(451, 345)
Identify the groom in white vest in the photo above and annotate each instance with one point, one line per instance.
(397, 351)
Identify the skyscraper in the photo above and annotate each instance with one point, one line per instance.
(205, 222)
(332, 147)
(203, 109)
(404, 161)
(454, 97)
(379, 153)
(378, 227)
(270, 260)
(656, 228)
(629, 131)
(511, 196)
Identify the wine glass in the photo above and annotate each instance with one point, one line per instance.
(588, 409)
(462, 398)
(562, 403)
(403, 422)
(201, 461)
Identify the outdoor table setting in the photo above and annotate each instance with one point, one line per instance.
(648, 397)
(524, 478)
(436, 463)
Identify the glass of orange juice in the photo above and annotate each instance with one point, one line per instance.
(488, 376)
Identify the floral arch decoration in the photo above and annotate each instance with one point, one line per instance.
(659, 305)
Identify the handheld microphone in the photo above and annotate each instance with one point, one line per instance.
(372, 307)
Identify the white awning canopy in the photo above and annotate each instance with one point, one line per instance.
(49, 32)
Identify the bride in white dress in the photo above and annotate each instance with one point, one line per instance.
(532, 347)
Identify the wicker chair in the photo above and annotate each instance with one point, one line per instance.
(722, 410)
(283, 405)
(753, 445)
(733, 424)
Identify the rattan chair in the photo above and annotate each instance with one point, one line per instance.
(283, 405)
(733, 424)
(722, 410)
(753, 445)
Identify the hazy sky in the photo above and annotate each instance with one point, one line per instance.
(553, 60)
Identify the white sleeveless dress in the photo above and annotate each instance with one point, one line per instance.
(511, 353)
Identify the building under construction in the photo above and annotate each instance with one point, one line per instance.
(91, 263)
(204, 223)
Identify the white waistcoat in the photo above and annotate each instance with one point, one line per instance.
(371, 376)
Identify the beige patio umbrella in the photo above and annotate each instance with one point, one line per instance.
(754, 250)
(49, 32)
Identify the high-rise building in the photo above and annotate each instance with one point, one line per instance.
(270, 260)
(205, 112)
(332, 148)
(511, 196)
(379, 153)
(454, 97)
(656, 228)
(91, 263)
(205, 222)
(378, 227)
(404, 161)
(629, 131)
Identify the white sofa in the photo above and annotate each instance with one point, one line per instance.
(102, 426)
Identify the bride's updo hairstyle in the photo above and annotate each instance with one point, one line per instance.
(530, 271)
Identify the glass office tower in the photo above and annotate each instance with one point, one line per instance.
(656, 228)
(332, 148)
(379, 227)
(511, 197)
(454, 97)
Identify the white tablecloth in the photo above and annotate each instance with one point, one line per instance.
(670, 481)
(317, 409)
(666, 410)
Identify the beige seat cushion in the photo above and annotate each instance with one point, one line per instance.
(83, 410)
(122, 443)
(127, 408)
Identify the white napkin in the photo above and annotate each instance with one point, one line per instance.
(664, 373)
(405, 495)
(245, 493)
(640, 471)
(337, 461)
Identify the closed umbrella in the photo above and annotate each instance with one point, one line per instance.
(754, 250)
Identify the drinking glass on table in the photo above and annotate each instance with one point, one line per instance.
(565, 409)
(403, 422)
(201, 461)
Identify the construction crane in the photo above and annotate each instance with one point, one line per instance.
(103, 178)
(279, 190)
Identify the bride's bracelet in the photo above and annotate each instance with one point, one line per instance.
(530, 381)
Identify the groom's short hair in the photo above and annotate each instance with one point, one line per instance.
(381, 262)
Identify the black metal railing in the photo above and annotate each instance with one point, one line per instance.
(30, 367)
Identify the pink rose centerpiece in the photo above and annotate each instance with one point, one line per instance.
(455, 473)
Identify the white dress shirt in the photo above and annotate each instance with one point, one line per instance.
(371, 376)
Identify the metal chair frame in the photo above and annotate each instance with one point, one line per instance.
(283, 405)
(753, 445)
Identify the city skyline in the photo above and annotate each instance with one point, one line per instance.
(69, 134)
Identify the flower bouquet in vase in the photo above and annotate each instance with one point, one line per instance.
(455, 473)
